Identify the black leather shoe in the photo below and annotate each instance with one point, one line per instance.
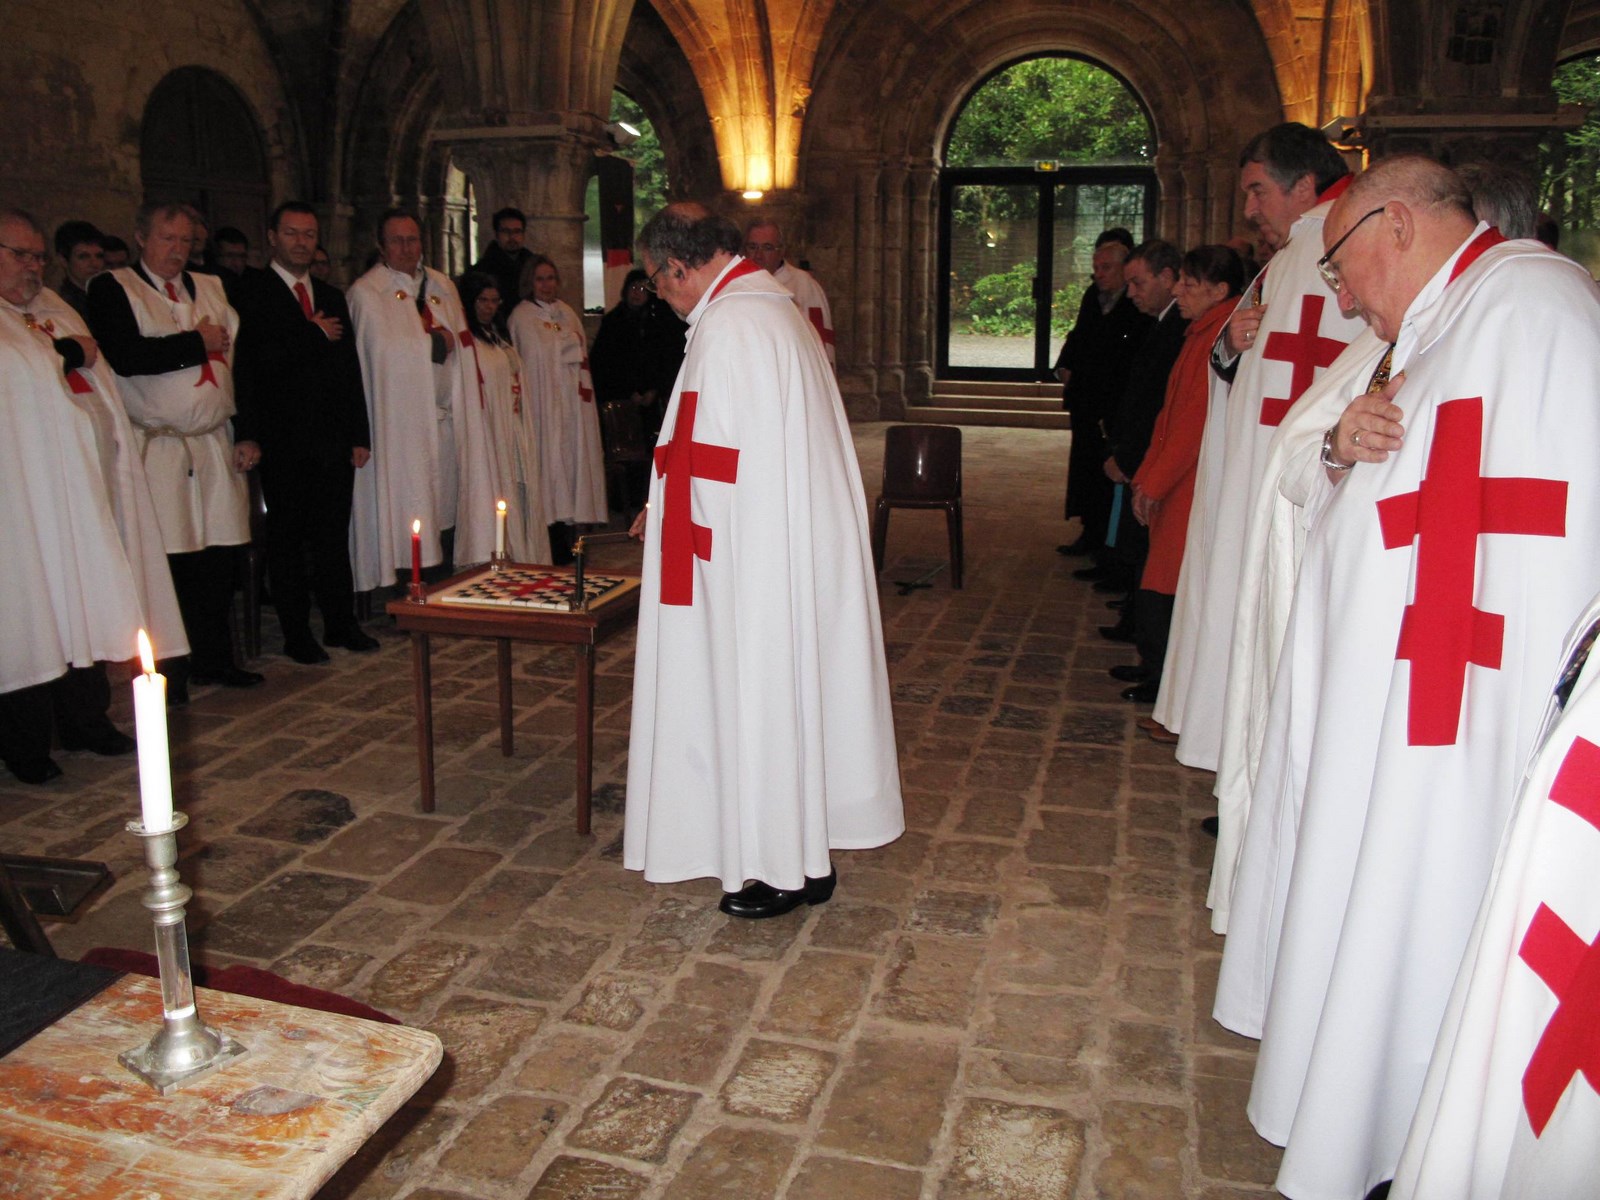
(1142, 693)
(1076, 549)
(1130, 673)
(1089, 573)
(1208, 826)
(1120, 604)
(35, 770)
(109, 742)
(231, 677)
(759, 900)
(1122, 631)
(307, 653)
(354, 640)
(1112, 585)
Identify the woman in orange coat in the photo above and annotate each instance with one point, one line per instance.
(1163, 487)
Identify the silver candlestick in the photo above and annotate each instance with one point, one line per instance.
(185, 1047)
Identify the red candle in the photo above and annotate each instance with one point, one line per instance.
(416, 554)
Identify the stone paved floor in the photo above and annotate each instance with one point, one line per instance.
(1011, 1001)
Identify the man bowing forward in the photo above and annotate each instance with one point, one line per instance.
(762, 731)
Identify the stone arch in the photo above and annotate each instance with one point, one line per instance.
(654, 71)
(1581, 33)
(888, 87)
(200, 142)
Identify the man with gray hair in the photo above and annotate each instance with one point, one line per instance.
(1451, 518)
(763, 245)
(168, 333)
(1502, 197)
(762, 731)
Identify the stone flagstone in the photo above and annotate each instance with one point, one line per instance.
(1012, 1001)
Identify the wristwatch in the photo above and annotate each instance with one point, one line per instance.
(1328, 460)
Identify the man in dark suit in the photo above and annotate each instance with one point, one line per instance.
(504, 259)
(1152, 274)
(1093, 368)
(300, 396)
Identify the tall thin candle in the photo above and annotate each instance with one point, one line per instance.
(155, 768)
(416, 553)
(500, 529)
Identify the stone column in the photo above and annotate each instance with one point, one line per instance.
(542, 170)
(922, 264)
(1220, 204)
(1170, 199)
(858, 340)
(1193, 172)
(891, 382)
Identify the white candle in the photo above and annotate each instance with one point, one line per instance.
(500, 529)
(150, 714)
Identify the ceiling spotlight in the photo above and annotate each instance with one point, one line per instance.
(622, 134)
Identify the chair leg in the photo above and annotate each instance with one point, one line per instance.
(952, 516)
(880, 533)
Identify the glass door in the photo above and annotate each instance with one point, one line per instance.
(1015, 249)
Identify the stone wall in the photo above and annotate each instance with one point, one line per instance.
(74, 79)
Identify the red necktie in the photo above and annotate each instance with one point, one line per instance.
(305, 299)
(172, 292)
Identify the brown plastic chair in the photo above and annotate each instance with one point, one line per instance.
(921, 469)
(625, 441)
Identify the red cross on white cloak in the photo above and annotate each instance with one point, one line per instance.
(1442, 631)
(681, 461)
(826, 334)
(585, 382)
(1304, 350)
(1569, 966)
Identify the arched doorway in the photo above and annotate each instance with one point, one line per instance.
(1045, 155)
(1569, 164)
(199, 143)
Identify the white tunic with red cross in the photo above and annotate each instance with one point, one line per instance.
(1510, 1107)
(812, 302)
(1432, 599)
(762, 731)
(549, 339)
(1301, 334)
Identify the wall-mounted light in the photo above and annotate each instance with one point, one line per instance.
(753, 194)
(622, 134)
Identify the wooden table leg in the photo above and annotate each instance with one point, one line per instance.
(422, 672)
(503, 661)
(585, 733)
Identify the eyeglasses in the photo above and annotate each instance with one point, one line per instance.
(760, 247)
(37, 257)
(650, 280)
(1325, 268)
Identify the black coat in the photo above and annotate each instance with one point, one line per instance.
(638, 351)
(1130, 425)
(1099, 352)
(297, 393)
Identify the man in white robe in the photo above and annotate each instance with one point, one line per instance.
(1451, 538)
(430, 454)
(1286, 329)
(69, 598)
(763, 245)
(1510, 1107)
(762, 731)
(168, 334)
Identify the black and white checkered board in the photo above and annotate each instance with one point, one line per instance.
(525, 587)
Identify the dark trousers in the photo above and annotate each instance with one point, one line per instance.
(1152, 622)
(1088, 489)
(308, 542)
(204, 581)
(75, 704)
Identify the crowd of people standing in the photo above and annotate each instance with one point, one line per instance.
(159, 386)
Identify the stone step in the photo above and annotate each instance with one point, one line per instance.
(1006, 418)
(943, 399)
(985, 387)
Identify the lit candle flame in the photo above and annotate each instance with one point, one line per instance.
(416, 526)
(500, 505)
(147, 654)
